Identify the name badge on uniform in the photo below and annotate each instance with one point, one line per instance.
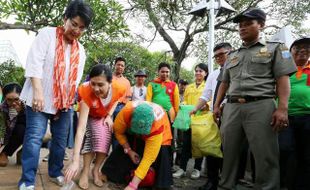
(263, 52)
(234, 60)
(285, 54)
(285, 51)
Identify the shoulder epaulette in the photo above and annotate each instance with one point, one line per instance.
(232, 51)
(275, 41)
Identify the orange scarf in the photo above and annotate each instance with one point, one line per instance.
(306, 70)
(63, 94)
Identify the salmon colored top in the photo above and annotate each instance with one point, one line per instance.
(96, 108)
(124, 82)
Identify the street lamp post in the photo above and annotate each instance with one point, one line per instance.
(211, 34)
(214, 7)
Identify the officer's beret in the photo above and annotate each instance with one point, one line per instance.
(254, 13)
(302, 40)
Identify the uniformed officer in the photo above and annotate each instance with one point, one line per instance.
(253, 76)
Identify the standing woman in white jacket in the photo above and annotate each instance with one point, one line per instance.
(54, 69)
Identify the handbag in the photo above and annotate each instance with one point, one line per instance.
(149, 179)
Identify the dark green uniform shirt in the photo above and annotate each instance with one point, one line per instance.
(252, 71)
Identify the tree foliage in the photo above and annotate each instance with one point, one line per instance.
(136, 57)
(9, 72)
(31, 15)
(168, 17)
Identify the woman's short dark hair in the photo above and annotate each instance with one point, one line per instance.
(163, 64)
(79, 8)
(204, 67)
(101, 70)
(11, 87)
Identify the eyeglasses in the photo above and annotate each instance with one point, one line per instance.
(141, 92)
(220, 54)
(299, 47)
(75, 26)
(11, 100)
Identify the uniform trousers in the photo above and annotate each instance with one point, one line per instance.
(252, 121)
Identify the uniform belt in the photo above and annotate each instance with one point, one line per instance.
(244, 99)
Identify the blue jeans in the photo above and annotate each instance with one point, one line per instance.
(118, 108)
(36, 125)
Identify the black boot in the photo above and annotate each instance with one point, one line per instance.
(209, 186)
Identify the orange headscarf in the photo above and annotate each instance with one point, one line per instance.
(63, 94)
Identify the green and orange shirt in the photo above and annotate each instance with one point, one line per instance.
(166, 94)
(299, 101)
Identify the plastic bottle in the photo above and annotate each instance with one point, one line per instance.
(68, 186)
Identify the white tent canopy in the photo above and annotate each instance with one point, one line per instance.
(284, 35)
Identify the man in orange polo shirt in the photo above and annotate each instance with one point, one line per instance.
(120, 79)
(119, 68)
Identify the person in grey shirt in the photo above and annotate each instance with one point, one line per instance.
(138, 91)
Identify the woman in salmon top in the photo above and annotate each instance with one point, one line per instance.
(98, 99)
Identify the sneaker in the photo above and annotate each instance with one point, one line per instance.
(24, 187)
(60, 180)
(204, 174)
(245, 183)
(45, 159)
(66, 157)
(179, 173)
(175, 168)
(195, 174)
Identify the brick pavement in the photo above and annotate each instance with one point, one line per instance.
(10, 175)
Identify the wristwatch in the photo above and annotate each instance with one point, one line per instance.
(126, 150)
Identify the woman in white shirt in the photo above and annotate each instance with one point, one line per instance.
(54, 69)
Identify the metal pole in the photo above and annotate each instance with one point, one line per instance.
(211, 35)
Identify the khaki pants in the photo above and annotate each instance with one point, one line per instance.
(252, 121)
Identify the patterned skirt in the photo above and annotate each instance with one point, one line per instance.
(97, 136)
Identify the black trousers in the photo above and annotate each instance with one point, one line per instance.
(16, 139)
(187, 151)
(294, 144)
(214, 165)
(118, 165)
